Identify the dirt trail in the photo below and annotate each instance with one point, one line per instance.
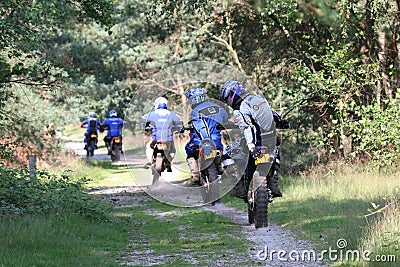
(270, 240)
(273, 246)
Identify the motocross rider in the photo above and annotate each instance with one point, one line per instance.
(113, 125)
(205, 117)
(93, 125)
(254, 117)
(161, 122)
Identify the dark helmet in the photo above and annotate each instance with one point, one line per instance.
(195, 95)
(232, 92)
(113, 114)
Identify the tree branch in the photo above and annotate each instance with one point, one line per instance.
(225, 43)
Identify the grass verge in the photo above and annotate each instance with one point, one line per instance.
(332, 204)
(61, 240)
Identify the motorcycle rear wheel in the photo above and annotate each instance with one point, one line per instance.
(210, 188)
(116, 153)
(90, 149)
(261, 205)
(157, 169)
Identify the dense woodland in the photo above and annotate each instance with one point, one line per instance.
(331, 67)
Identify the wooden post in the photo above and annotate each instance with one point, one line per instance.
(32, 165)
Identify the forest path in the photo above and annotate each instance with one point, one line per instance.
(273, 246)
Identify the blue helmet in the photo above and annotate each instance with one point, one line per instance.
(195, 95)
(113, 113)
(232, 92)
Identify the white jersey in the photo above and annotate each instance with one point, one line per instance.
(255, 118)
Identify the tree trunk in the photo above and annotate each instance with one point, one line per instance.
(385, 87)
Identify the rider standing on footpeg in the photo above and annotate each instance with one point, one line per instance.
(254, 117)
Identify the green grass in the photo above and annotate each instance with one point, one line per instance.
(60, 240)
(99, 172)
(331, 204)
(382, 237)
(168, 235)
(186, 236)
(73, 132)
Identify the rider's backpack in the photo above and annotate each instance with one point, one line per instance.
(92, 126)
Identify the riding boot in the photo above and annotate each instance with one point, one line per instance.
(220, 168)
(273, 181)
(169, 168)
(239, 189)
(194, 169)
(218, 164)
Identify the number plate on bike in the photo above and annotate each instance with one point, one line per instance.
(265, 158)
(211, 155)
(162, 146)
(117, 140)
(93, 136)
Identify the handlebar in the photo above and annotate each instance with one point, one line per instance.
(225, 126)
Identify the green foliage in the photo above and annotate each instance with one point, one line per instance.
(45, 193)
(377, 133)
(29, 74)
(321, 61)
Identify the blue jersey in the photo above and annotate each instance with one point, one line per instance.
(162, 122)
(205, 117)
(93, 125)
(114, 126)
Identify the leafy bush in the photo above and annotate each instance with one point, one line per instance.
(45, 193)
(376, 135)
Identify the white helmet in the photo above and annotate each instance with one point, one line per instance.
(92, 114)
(160, 102)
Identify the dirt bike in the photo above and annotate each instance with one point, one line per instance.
(160, 160)
(210, 179)
(256, 193)
(91, 144)
(209, 176)
(116, 148)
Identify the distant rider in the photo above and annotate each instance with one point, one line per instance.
(161, 122)
(93, 125)
(113, 125)
(254, 117)
(205, 117)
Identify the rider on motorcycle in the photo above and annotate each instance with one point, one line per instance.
(113, 125)
(161, 122)
(205, 117)
(254, 117)
(93, 125)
